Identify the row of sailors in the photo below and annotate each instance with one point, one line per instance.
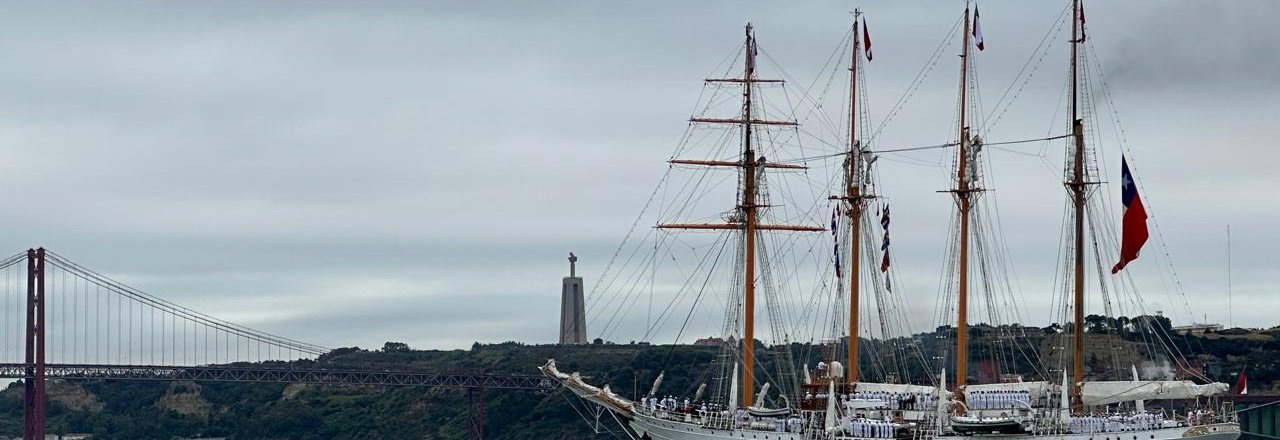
(891, 400)
(870, 428)
(671, 404)
(1199, 417)
(998, 399)
(741, 416)
(1115, 423)
(668, 403)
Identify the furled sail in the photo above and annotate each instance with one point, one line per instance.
(603, 397)
(896, 388)
(1106, 392)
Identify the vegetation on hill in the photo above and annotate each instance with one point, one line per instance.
(111, 409)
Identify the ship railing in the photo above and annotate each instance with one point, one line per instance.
(926, 428)
(1119, 422)
(813, 426)
(717, 418)
(1228, 413)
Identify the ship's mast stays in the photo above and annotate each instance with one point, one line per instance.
(853, 194)
(748, 207)
(963, 193)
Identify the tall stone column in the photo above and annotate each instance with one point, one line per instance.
(573, 314)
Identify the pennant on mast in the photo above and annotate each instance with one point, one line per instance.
(1082, 23)
(835, 228)
(884, 245)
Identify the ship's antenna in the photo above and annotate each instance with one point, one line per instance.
(1229, 304)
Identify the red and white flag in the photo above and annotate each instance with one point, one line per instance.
(977, 30)
(866, 40)
(1242, 385)
(1133, 224)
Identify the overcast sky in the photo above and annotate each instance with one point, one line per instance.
(348, 173)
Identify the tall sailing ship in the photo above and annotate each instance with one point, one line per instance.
(834, 400)
(1076, 406)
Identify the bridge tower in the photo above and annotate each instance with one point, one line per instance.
(573, 315)
(475, 413)
(33, 377)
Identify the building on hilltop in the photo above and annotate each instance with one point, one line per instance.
(709, 342)
(573, 314)
(1198, 329)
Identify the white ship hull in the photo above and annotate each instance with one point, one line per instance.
(1217, 431)
(657, 424)
(676, 425)
(663, 429)
(656, 428)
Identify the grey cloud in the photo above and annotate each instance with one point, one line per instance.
(1220, 46)
(416, 171)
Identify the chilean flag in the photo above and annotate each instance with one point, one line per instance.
(866, 40)
(977, 30)
(1134, 222)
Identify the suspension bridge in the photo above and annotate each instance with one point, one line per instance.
(65, 321)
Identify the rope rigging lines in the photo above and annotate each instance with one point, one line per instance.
(1115, 295)
(707, 265)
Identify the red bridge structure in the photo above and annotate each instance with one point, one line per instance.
(104, 329)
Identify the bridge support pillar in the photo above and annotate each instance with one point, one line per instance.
(475, 413)
(33, 378)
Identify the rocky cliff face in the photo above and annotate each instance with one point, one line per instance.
(72, 395)
(184, 398)
(291, 391)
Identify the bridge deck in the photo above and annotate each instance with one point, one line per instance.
(286, 375)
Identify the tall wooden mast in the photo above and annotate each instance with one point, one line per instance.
(749, 228)
(748, 207)
(963, 194)
(1077, 188)
(853, 193)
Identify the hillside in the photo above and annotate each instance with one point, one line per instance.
(164, 410)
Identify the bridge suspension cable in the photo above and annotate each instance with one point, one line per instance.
(91, 318)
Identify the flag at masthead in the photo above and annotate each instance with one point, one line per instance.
(977, 30)
(866, 40)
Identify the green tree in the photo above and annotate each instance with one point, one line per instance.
(395, 347)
